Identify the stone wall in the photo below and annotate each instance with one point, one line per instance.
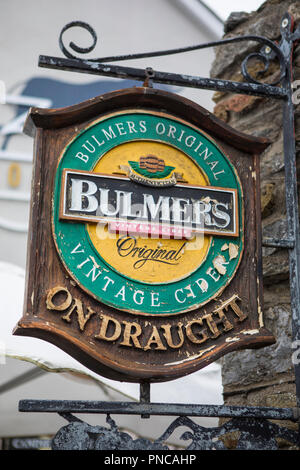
(263, 377)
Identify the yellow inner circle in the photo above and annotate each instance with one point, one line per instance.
(175, 258)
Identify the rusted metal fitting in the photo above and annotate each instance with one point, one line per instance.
(149, 73)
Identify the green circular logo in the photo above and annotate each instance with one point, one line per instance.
(148, 213)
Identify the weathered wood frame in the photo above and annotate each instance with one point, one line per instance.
(53, 129)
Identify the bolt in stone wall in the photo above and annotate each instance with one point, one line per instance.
(262, 377)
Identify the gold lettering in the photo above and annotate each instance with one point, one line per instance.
(211, 325)
(191, 336)
(167, 334)
(223, 319)
(131, 335)
(155, 339)
(56, 291)
(242, 316)
(104, 329)
(81, 317)
(232, 303)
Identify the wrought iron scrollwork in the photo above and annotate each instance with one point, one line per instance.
(72, 45)
(265, 56)
(252, 434)
(269, 51)
(79, 435)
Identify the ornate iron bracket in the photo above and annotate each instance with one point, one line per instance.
(255, 431)
(252, 424)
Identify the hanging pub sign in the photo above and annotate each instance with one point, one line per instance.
(144, 245)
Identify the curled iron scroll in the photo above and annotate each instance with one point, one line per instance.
(269, 51)
(72, 45)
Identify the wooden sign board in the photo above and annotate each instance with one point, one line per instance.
(144, 257)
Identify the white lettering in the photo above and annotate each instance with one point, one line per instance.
(131, 127)
(143, 127)
(109, 281)
(212, 165)
(213, 274)
(221, 214)
(202, 284)
(105, 207)
(91, 148)
(190, 140)
(139, 300)
(95, 273)
(218, 173)
(181, 135)
(191, 293)
(198, 146)
(162, 204)
(78, 195)
(172, 130)
(155, 299)
(201, 214)
(87, 260)
(110, 134)
(178, 210)
(176, 296)
(120, 127)
(121, 293)
(160, 128)
(206, 154)
(82, 157)
(96, 140)
(75, 250)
